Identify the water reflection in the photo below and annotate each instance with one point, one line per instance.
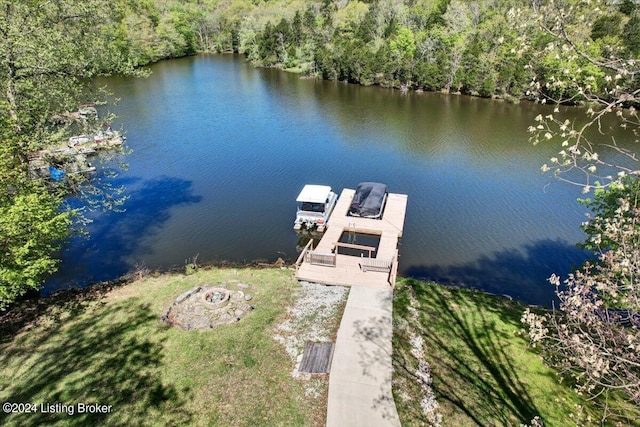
(519, 273)
(116, 236)
(220, 151)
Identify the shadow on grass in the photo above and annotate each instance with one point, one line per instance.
(371, 340)
(29, 312)
(81, 351)
(470, 364)
(520, 274)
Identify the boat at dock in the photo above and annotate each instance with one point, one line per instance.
(100, 140)
(315, 204)
(56, 168)
(369, 200)
(361, 249)
(72, 157)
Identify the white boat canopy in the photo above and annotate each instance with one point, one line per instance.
(314, 194)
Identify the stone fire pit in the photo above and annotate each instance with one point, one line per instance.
(206, 307)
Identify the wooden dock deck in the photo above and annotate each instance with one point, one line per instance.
(320, 262)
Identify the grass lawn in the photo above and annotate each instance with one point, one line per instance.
(108, 346)
(482, 369)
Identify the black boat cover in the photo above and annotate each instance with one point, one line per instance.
(368, 200)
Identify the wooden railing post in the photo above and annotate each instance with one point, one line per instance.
(302, 254)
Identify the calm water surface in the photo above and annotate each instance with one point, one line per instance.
(220, 151)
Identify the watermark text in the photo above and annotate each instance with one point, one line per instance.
(55, 408)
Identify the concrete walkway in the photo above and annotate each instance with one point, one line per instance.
(360, 379)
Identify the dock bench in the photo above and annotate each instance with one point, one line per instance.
(320, 258)
(374, 264)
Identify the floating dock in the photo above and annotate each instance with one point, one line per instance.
(322, 262)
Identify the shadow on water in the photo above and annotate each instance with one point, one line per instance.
(520, 274)
(116, 236)
(81, 354)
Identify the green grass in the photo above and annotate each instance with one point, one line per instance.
(483, 371)
(108, 346)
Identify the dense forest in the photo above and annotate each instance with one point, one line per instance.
(486, 47)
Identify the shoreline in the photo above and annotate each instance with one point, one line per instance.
(62, 294)
(477, 331)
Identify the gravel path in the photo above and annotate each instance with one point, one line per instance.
(315, 317)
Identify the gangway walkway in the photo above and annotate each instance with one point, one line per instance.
(361, 370)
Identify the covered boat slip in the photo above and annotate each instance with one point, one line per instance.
(321, 262)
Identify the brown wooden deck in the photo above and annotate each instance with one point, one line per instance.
(320, 262)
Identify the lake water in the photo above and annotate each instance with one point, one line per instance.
(221, 150)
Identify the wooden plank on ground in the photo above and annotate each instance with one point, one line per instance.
(317, 358)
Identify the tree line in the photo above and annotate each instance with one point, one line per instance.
(486, 48)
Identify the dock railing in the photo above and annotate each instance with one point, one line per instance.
(393, 272)
(370, 249)
(389, 266)
(321, 258)
(314, 257)
(302, 255)
(376, 264)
